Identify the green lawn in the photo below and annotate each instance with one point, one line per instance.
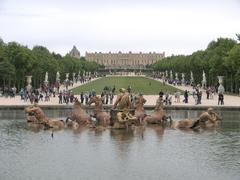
(138, 84)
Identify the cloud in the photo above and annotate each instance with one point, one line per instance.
(174, 27)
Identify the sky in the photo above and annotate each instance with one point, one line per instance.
(170, 26)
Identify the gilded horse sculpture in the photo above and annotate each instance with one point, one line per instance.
(79, 115)
(159, 115)
(139, 112)
(103, 118)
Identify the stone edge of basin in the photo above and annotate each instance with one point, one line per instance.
(147, 107)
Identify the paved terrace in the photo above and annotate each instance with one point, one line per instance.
(229, 101)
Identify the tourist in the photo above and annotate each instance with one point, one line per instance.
(47, 97)
(111, 97)
(211, 93)
(71, 97)
(86, 97)
(113, 89)
(93, 93)
(22, 93)
(175, 96)
(103, 97)
(67, 97)
(199, 96)
(170, 100)
(14, 90)
(41, 96)
(178, 96)
(54, 91)
(220, 98)
(161, 94)
(60, 98)
(186, 96)
(208, 92)
(82, 97)
(166, 98)
(107, 98)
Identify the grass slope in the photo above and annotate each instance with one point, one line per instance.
(138, 84)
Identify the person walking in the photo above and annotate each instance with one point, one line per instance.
(82, 97)
(220, 99)
(161, 94)
(60, 97)
(186, 96)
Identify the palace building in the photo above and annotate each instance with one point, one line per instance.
(120, 60)
(124, 60)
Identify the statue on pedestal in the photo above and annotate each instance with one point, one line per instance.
(58, 77)
(166, 74)
(74, 80)
(29, 81)
(46, 79)
(204, 81)
(192, 79)
(171, 75)
(221, 88)
(183, 78)
(176, 76)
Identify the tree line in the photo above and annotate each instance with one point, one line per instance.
(18, 61)
(220, 58)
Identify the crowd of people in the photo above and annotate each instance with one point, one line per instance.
(65, 96)
(196, 92)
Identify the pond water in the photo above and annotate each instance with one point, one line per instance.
(150, 153)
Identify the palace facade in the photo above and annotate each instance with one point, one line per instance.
(124, 60)
(120, 60)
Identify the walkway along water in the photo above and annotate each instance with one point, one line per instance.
(231, 102)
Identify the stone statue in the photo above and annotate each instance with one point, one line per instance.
(176, 75)
(58, 77)
(74, 77)
(192, 79)
(29, 81)
(67, 76)
(183, 78)
(204, 81)
(79, 76)
(171, 75)
(46, 78)
(221, 88)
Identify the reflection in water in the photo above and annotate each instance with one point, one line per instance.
(153, 152)
(158, 129)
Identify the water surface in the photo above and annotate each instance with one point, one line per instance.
(150, 153)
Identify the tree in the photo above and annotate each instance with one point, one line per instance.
(238, 37)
